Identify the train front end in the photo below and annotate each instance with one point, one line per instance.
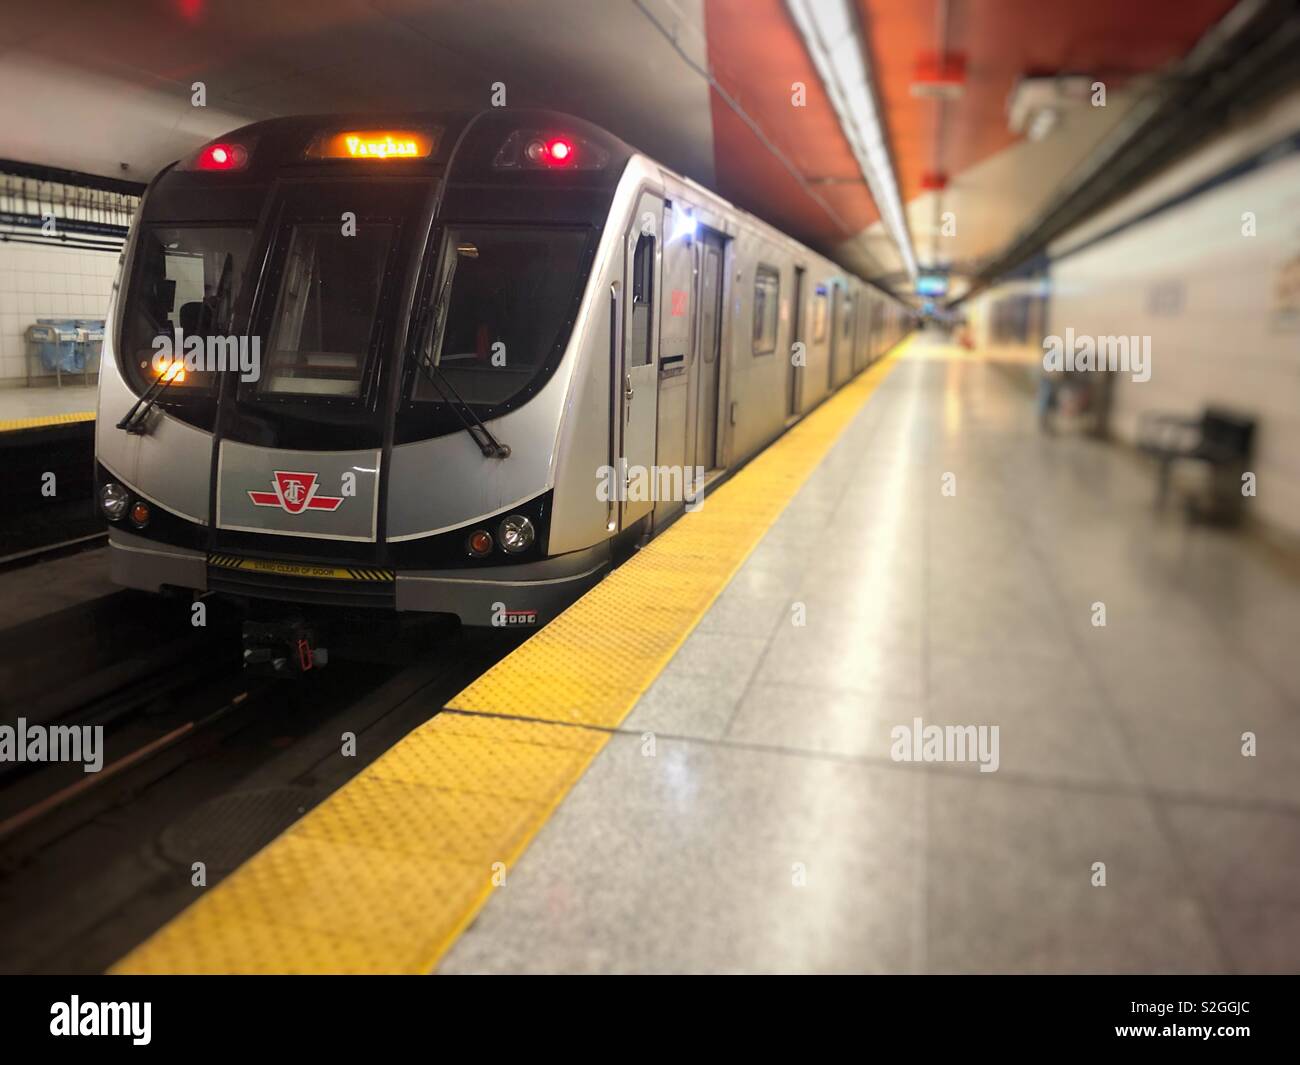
(339, 359)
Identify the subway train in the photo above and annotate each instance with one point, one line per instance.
(444, 362)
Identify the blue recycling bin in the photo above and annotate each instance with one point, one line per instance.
(58, 344)
(43, 341)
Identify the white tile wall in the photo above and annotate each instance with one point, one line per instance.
(1226, 344)
(46, 282)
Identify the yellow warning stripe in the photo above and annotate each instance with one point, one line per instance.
(14, 424)
(301, 569)
(384, 874)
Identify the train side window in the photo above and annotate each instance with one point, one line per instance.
(643, 287)
(819, 316)
(767, 306)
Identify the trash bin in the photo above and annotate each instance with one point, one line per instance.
(54, 343)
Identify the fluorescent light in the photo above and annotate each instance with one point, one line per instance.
(1043, 122)
(830, 33)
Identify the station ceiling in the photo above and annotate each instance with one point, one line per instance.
(106, 89)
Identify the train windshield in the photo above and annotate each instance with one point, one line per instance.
(186, 283)
(510, 297)
(326, 314)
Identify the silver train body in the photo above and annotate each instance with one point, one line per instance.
(492, 350)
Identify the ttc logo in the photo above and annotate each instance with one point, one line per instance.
(295, 493)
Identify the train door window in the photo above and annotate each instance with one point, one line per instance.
(847, 327)
(797, 336)
(767, 307)
(325, 320)
(819, 315)
(708, 303)
(643, 287)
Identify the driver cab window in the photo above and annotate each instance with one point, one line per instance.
(322, 332)
(501, 311)
(186, 282)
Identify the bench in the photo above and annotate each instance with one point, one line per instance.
(1220, 439)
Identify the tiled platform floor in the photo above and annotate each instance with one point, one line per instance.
(769, 829)
(73, 398)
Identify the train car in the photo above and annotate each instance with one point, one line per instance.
(451, 363)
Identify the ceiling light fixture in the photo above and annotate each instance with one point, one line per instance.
(830, 33)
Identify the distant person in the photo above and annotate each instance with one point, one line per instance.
(1049, 400)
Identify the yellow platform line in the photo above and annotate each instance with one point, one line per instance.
(14, 424)
(591, 664)
(385, 874)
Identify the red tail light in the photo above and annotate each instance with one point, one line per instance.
(553, 152)
(535, 150)
(219, 155)
(223, 157)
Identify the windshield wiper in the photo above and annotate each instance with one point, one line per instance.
(134, 419)
(473, 424)
(488, 444)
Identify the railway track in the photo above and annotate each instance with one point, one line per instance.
(49, 551)
(194, 772)
(144, 756)
(139, 706)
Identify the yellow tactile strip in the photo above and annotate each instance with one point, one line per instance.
(383, 875)
(14, 424)
(591, 664)
(386, 873)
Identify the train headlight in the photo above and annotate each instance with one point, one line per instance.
(516, 534)
(113, 501)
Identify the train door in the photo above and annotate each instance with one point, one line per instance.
(796, 333)
(673, 447)
(708, 349)
(862, 349)
(833, 348)
(844, 368)
(636, 380)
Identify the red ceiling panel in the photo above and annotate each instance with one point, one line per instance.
(756, 54)
(1001, 41)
